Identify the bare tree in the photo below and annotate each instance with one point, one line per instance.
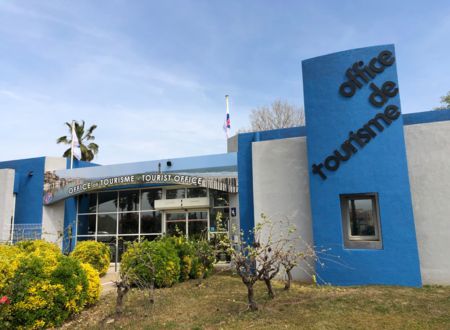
(291, 258)
(279, 115)
(259, 260)
(123, 286)
(445, 102)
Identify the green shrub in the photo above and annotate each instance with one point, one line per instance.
(49, 252)
(145, 262)
(72, 276)
(185, 251)
(8, 264)
(36, 302)
(94, 253)
(203, 261)
(43, 286)
(39, 247)
(94, 286)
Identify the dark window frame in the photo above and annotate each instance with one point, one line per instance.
(361, 241)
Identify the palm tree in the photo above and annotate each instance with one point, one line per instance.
(87, 151)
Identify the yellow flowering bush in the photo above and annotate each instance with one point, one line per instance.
(94, 286)
(96, 254)
(8, 263)
(40, 287)
(49, 252)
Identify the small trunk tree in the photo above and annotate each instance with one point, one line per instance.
(291, 257)
(122, 289)
(132, 277)
(259, 260)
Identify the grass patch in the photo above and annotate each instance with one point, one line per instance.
(220, 303)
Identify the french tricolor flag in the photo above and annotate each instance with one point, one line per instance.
(227, 123)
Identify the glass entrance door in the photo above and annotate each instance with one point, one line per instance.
(193, 224)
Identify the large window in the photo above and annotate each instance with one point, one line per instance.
(193, 224)
(115, 217)
(361, 221)
(219, 223)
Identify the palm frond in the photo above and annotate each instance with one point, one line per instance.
(67, 153)
(87, 152)
(63, 139)
(90, 130)
(93, 147)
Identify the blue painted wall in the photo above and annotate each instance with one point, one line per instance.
(426, 117)
(378, 167)
(28, 189)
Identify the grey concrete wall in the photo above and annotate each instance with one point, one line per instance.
(53, 215)
(232, 144)
(281, 189)
(6, 203)
(428, 152)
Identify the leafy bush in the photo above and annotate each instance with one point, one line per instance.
(145, 262)
(39, 247)
(42, 287)
(93, 292)
(203, 260)
(185, 251)
(196, 257)
(71, 275)
(8, 263)
(49, 252)
(36, 302)
(94, 253)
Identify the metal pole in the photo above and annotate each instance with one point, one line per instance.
(228, 112)
(71, 148)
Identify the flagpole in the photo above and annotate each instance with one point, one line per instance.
(226, 101)
(71, 148)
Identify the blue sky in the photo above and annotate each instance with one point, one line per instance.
(153, 75)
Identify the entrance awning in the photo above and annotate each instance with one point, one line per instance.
(62, 184)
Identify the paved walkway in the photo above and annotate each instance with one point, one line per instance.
(107, 281)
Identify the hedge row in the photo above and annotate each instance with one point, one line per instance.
(40, 287)
(166, 261)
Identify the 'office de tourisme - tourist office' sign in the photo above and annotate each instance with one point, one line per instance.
(57, 188)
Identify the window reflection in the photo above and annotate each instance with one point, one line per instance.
(175, 216)
(362, 222)
(177, 228)
(198, 230)
(107, 202)
(107, 224)
(175, 193)
(148, 198)
(129, 223)
(87, 203)
(219, 198)
(86, 224)
(196, 192)
(151, 222)
(129, 200)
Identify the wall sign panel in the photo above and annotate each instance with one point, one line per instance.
(356, 146)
